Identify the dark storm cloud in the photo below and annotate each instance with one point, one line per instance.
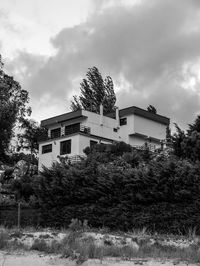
(147, 44)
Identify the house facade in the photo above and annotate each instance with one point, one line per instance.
(70, 133)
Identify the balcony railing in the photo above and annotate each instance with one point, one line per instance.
(76, 128)
(148, 146)
(67, 131)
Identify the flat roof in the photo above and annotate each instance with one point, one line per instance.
(141, 112)
(62, 118)
(122, 112)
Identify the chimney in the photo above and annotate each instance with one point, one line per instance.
(101, 114)
(117, 116)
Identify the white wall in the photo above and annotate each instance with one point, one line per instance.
(84, 141)
(106, 130)
(48, 158)
(139, 141)
(134, 140)
(149, 127)
(127, 129)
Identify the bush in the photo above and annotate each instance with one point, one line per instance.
(122, 192)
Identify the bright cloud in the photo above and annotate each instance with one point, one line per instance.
(151, 49)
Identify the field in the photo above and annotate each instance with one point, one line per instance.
(81, 246)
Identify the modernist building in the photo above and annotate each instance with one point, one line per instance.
(70, 133)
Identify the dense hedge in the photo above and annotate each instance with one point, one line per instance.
(162, 194)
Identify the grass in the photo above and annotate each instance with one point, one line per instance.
(80, 247)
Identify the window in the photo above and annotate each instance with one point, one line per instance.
(92, 143)
(115, 129)
(47, 148)
(55, 133)
(123, 121)
(72, 129)
(65, 147)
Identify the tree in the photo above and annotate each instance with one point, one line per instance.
(177, 140)
(151, 109)
(187, 145)
(13, 108)
(95, 91)
(195, 126)
(30, 136)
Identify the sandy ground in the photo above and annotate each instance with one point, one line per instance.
(39, 259)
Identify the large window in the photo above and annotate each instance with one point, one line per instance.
(47, 148)
(72, 129)
(65, 147)
(55, 133)
(123, 121)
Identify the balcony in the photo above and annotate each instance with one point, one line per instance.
(68, 130)
(76, 128)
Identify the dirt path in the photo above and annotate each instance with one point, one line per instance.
(38, 259)
(32, 259)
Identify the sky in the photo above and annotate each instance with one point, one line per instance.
(151, 49)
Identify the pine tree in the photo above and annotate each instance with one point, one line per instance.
(95, 91)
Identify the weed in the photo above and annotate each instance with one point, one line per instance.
(140, 232)
(78, 226)
(191, 233)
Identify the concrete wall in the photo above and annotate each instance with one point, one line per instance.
(134, 140)
(127, 129)
(105, 130)
(84, 141)
(48, 158)
(149, 127)
(139, 141)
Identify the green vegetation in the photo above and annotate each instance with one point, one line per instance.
(95, 91)
(78, 245)
(121, 188)
(13, 108)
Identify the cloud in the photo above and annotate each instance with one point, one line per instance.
(145, 48)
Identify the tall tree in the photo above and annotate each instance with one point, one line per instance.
(13, 108)
(195, 126)
(95, 91)
(30, 135)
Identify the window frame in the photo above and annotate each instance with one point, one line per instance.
(123, 121)
(57, 130)
(63, 143)
(47, 150)
(71, 129)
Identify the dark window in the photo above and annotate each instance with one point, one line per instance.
(92, 143)
(65, 147)
(115, 129)
(123, 121)
(72, 129)
(55, 133)
(47, 148)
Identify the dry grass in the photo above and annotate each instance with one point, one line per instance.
(80, 247)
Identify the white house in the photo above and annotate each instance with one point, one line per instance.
(70, 133)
